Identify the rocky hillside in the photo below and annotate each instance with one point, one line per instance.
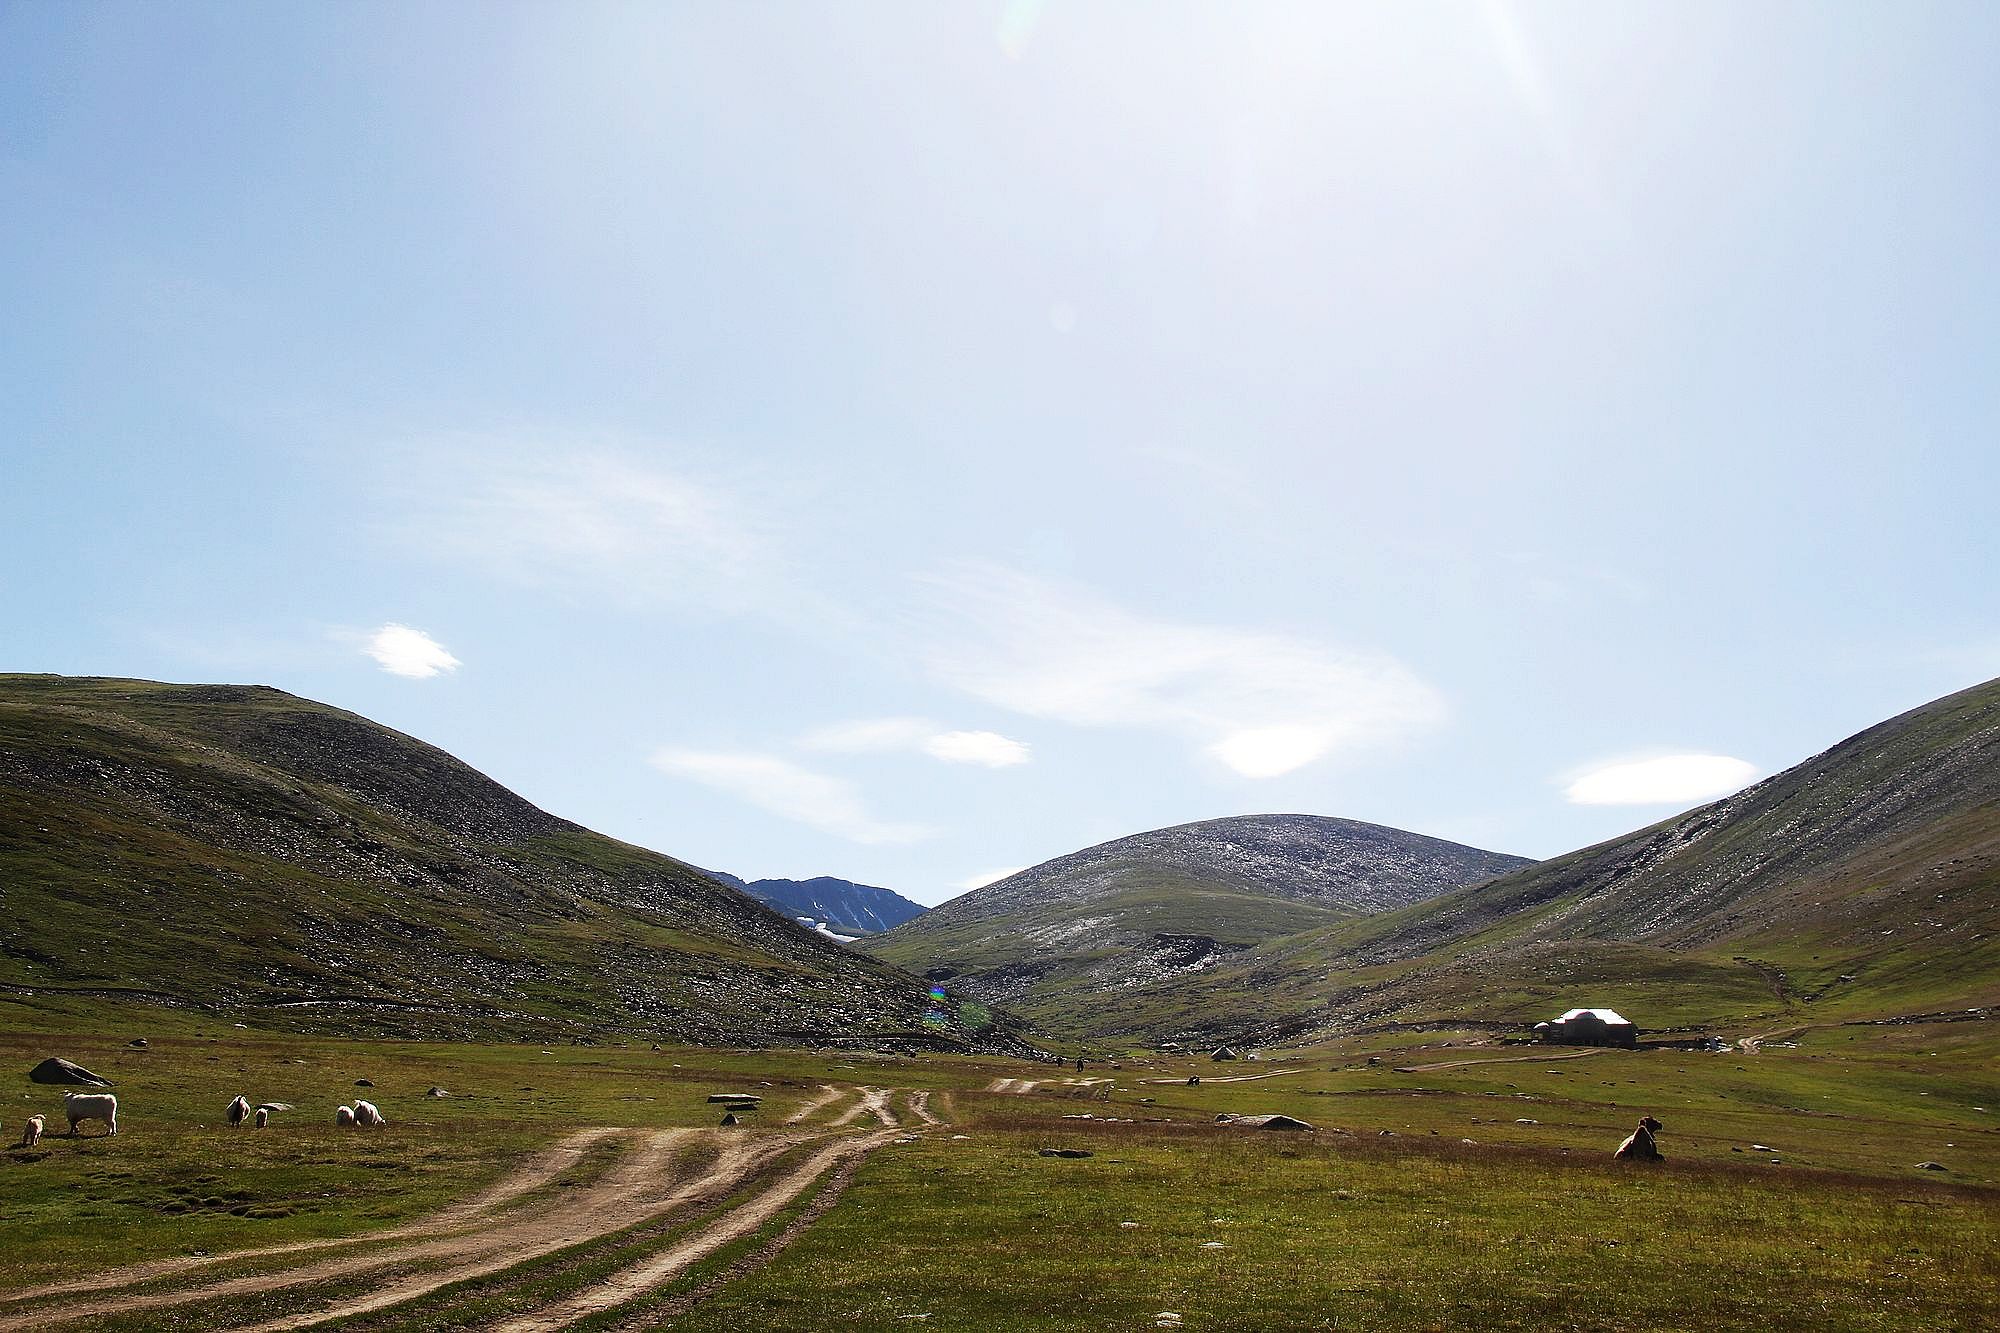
(841, 905)
(1061, 941)
(240, 850)
(1862, 883)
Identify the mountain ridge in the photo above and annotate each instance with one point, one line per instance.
(239, 848)
(841, 904)
(1863, 881)
(1054, 938)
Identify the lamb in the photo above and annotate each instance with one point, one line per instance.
(81, 1106)
(343, 1116)
(366, 1115)
(1640, 1145)
(263, 1116)
(31, 1133)
(238, 1112)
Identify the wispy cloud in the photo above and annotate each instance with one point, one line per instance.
(832, 805)
(600, 519)
(1261, 703)
(989, 749)
(1674, 779)
(985, 877)
(403, 651)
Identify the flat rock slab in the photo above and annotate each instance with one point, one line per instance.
(1067, 1152)
(1262, 1122)
(733, 1098)
(55, 1069)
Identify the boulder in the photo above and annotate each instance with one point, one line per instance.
(437, 1092)
(734, 1098)
(1067, 1152)
(1932, 1166)
(57, 1070)
(364, 1082)
(1262, 1122)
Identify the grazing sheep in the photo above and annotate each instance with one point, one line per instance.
(238, 1112)
(263, 1116)
(31, 1133)
(1639, 1145)
(343, 1116)
(367, 1116)
(81, 1106)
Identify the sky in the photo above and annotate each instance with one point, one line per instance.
(910, 441)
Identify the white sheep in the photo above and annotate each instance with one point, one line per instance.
(81, 1106)
(263, 1116)
(365, 1114)
(238, 1112)
(31, 1133)
(343, 1116)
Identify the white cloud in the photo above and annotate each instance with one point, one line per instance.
(832, 805)
(987, 748)
(985, 877)
(601, 519)
(402, 651)
(1675, 779)
(1261, 703)
(880, 735)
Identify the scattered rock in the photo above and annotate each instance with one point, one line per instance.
(364, 1082)
(729, 1118)
(737, 1099)
(1762, 1147)
(1128, 1226)
(1067, 1152)
(138, 1043)
(437, 1092)
(1527, 1122)
(1932, 1166)
(57, 1070)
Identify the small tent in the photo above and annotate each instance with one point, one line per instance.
(1225, 1053)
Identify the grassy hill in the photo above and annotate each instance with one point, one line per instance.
(237, 849)
(1059, 942)
(1863, 883)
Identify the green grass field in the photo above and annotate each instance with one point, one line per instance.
(1385, 1217)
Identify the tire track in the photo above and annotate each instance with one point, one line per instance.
(828, 1095)
(738, 1160)
(875, 1102)
(537, 1171)
(920, 1107)
(594, 1211)
(659, 1269)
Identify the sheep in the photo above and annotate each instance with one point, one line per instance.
(81, 1106)
(1640, 1145)
(343, 1116)
(366, 1115)
(263, 1116)
(31, 1133)
(238, 1112)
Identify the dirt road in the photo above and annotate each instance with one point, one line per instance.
(702, 1189)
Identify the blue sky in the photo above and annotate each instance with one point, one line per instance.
(910, 441)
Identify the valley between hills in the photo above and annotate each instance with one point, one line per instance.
(212, 890)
